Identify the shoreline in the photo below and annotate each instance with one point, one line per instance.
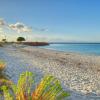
(78, 53)
(76, 72)
(82, 64)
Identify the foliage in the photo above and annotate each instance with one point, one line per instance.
(48, 89)
(4, 40)
(20, 39)
(2, 65)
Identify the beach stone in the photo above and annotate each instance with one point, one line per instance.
(76, 72)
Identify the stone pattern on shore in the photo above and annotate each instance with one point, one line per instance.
(77, 72)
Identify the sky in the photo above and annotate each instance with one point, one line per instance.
(50, 20)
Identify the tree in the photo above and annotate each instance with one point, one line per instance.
(20, 39)
(4, 40)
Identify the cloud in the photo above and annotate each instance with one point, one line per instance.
(20, 27)
(40, 29)
(2, 22)
(1, 30)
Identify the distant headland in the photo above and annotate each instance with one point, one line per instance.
(36, 43)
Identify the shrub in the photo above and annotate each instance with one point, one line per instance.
(48, 89)
(2, 65)
(20, 39)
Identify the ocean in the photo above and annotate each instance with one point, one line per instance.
(84, 48)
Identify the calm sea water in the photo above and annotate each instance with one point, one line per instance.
(91, 49)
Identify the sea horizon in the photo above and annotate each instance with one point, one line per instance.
(74, 42)
(82, 48)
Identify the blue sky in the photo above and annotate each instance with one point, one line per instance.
(52, 20)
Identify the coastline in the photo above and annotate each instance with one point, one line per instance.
(77, 72)
(82, 64)
(70, 52)
(80, 48)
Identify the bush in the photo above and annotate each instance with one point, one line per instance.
(48, 89)
(2, 65)
(20, 39)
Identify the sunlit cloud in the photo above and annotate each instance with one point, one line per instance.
(2, 22)
(1, 30)
(20, 27)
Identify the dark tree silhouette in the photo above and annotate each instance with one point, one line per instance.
(20, 39)
(4, 40)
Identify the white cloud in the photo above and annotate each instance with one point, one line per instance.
(20, 27)
(2, 22)
(1, 30)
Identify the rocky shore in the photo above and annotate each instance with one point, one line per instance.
(78, 73)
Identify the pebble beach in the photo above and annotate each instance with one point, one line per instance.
(78, 73)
